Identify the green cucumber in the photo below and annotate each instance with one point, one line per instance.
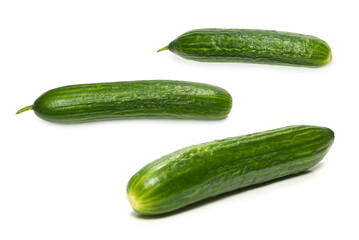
(132, 99)
(250, 45)
(202, 171)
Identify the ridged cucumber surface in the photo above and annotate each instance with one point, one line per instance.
(202, 171)
(132, 99)
(251, 45)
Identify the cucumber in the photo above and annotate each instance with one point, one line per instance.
(198, 172)
(132, 99)
(252, 46)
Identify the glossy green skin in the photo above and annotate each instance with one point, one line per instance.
(253, 46)
(133, 99)
(209, 169)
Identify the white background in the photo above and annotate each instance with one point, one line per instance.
(69, 181)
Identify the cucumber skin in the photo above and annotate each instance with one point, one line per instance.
(252, 46)
(133, 99)
(202, 171)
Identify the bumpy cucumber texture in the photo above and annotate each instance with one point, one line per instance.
(252, 46)
(201, 171)
(132, 99)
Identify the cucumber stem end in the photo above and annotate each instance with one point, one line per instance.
(163, 49)
(25, 109)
